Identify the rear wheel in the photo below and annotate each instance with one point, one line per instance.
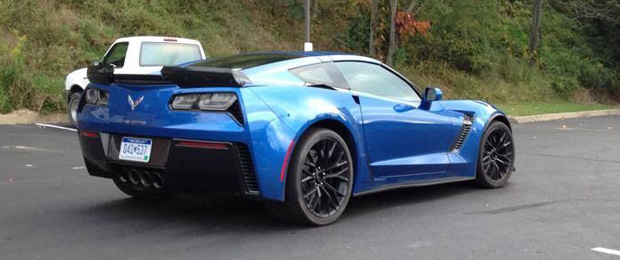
(496, 156)
(319, 181)
(72, 106)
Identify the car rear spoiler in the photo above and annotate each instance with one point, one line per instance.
(190, 76)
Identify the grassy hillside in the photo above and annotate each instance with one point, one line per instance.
(474, 49)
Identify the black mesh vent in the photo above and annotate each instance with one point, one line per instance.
(235, 111)
(247, 169)
(465, 129)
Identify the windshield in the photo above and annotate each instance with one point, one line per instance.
(168, 54)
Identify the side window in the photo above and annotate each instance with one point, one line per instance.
(116, 55)
(322, 73)
(375, 80)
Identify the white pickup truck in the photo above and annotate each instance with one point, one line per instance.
(141, 55)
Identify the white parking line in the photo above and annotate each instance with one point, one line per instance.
(606, 251)
(57, 127)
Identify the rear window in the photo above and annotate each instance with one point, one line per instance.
(168, 54)
(245, 61)
(321, 73)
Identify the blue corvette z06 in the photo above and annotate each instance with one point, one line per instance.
(303, 131)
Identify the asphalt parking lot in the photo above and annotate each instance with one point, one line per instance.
(563, 200)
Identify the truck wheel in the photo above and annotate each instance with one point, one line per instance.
(74, 101)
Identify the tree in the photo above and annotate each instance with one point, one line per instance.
(392, 44)
(403, 24)
(374, 9)
(535, 30)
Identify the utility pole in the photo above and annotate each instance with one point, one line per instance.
(307, 44)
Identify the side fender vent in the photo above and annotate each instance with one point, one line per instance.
(465, 129)
(247, 169)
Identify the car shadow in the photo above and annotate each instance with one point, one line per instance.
(405, 197)
(213, 212)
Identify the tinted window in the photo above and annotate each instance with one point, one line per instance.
(376, 80)
(245, 61)
(116, 55)
(167, 54)
(322, 73)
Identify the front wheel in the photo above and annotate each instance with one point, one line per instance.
(496, 156)
(319, 181)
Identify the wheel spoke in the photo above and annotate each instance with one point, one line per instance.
(331, 150)
(340, 177)
(314, 190)
(314, 202)
(337, 165)
(309, 163)
(306, 179)
(330, 199)
(336, 192)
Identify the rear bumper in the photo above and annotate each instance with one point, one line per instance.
(183, 168)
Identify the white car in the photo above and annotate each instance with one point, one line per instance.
(141, 55)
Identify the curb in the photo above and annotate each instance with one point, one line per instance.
(30, 117)
(561, 116)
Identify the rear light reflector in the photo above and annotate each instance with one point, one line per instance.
(89, 134)
(204, 145)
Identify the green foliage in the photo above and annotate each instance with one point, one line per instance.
(480, 49)
(474, 49)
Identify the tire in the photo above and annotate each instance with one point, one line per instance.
(318, 187)
(496, 156)
(72, 106)
(138, 191)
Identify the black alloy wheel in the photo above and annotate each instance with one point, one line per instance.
(325, 181)
(496, 158)
(319, 180)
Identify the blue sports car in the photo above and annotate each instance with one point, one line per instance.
(303, 131)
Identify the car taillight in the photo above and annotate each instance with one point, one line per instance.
(220, 101)
(97, 97)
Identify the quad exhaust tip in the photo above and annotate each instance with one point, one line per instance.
(143, 178)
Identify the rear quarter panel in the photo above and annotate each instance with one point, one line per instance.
(301, 107)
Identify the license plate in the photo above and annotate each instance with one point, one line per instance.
(135, 149)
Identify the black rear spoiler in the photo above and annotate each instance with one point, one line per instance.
(191, 76)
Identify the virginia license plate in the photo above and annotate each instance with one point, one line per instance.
(135, 149)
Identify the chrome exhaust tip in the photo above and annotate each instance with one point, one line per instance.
(134, 177)
(123, 177)
(156, 180)
(145, 179)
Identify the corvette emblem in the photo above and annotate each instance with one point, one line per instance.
(134, 104)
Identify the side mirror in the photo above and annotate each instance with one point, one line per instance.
(96, 63)
(430, 94)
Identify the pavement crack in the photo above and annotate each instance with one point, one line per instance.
(572, 158)
(515, 208)
(535, 205)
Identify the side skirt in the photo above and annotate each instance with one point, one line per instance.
(413, 184)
